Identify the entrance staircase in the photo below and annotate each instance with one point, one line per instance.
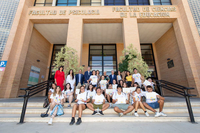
(175, 108)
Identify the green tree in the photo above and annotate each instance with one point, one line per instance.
(68, 58)
(133, 59)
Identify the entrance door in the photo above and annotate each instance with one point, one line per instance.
(103, 57)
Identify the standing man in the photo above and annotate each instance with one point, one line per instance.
(106, 77)
(79, 79)
(87, 75)
(112, 77)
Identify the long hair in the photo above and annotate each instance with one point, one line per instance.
(72, 73)
(62, 68)
(55, 92)
(89, 87)
(69, 86)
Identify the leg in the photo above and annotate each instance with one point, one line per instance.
(90, 106)
(70, 99)
(136, 105)
(80, 109)
(116, 109)
(52, 105)
(130, 108)
(54, 113)
(142, 106)
(75, 107)
(108, 97)
(161, 104)
(148, 107)
(105, 106)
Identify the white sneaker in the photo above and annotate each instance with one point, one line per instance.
(136, 114)
(163, 114)
(121, 114)
(157, 114)
(147, 115)
(110, 105)
(50, 122)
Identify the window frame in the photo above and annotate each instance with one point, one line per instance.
(114, 3)
(138, 3)
(43, 3)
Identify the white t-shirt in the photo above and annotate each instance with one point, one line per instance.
(67, 91)
(57, 98)
(103, 84)
(94, 79)
(137, 97)
(114, 86)
(91, 93)
(52, 90)
(116, 96)
(99, 98)
(137, 78)
(82, 96)
(151, 100)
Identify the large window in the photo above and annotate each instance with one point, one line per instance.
(114, 2)
(103, 58)
(90, 3)
(147, 55)
(138, 2)
(162, 2)
(66, 3)
(43, 2)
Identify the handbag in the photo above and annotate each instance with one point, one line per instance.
(59, 111)
(46, 103)
(45, 114)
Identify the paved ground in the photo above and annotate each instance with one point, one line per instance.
(102, 127)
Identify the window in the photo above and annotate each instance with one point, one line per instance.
(114, 2)
(162, 2)
(103, 58)
(139, 2)
(90, 3)
(147, 55)
(43, 2)
(66, 2)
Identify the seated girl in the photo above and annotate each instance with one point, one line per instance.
(98, 102)
(137, 103)
(68, 94)
(51, 90)
(56, 99)
(114, 85)
(109, 96)
(103, 84)
(81, 100)
(91, 92)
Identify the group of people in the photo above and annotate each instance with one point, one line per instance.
(98, 93)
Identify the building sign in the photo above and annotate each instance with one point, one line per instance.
(3, 65)
(170, 64)
(34, 76)
(124, 12)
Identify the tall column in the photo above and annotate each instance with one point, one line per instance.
(102, 2)
(78, 2)
(151, 2)
(75, 35)
(130, 33)
(54, 3)
(127, 2)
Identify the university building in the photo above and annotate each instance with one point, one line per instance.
(163, 31)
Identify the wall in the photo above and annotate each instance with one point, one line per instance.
(120, 48)
(164, 48)
(84, 57)
(39, 49)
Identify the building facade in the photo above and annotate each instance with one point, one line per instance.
(163, 31)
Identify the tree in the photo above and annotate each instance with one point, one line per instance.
(68, 58)
(133, 59)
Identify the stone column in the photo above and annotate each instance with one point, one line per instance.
(127, 2)
(130, 33)
(78, 2)
(151, 2)
(54, 3)
(75, 35)
(102, 2)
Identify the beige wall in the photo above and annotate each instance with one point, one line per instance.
(39, 49)
(85, 56)
(120, 48)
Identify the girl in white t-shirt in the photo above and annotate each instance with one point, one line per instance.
(71, 79)
(103, 84)
(91, 92)
(93, 79)
(114, 85)
(68, 94)
(137, 103)
(56, 99)
(81, 101)
(109, 96)
(137, 77)
(51, 90)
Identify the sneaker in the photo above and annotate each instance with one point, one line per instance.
(78, 121)
(72, 121)
(163, 114)
(121, 114)
(157, 114)
(110, 105)
(94, 113)
(101, 113)
(50, 122)
(69, 105)
(147, 114)
(136, 114)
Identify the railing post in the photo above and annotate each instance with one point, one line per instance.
(24, 107)
(187, 98)
(160, 87)
(47, 88)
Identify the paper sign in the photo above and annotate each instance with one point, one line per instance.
(77, 91)
(114, 87)
(3, 63)
(127, 90)
(146, 82)
(103, 84)
(121, 100)
(2, 68)
(81, 97)
(94, 79)
(151, 96)
(98, 99)
(109, 91)
(132, 89)
(91, 93)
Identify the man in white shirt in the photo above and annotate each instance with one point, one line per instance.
(136, 77)
(98, 102)
(153, 103)
(121, 102)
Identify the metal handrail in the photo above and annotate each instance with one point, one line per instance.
(31, 91)
(178, 89)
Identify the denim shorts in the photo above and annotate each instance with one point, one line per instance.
(121, 106)
(154, 105)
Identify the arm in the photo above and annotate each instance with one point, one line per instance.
(55, 77)
(160, 97)
(93, 100)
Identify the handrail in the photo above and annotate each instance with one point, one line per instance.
(31, 91)
(178, 89)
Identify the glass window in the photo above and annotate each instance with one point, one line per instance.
(162, 2)
(90, 2)
(114, 2)
(139, 2)
(43, 2)
(66, 3)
